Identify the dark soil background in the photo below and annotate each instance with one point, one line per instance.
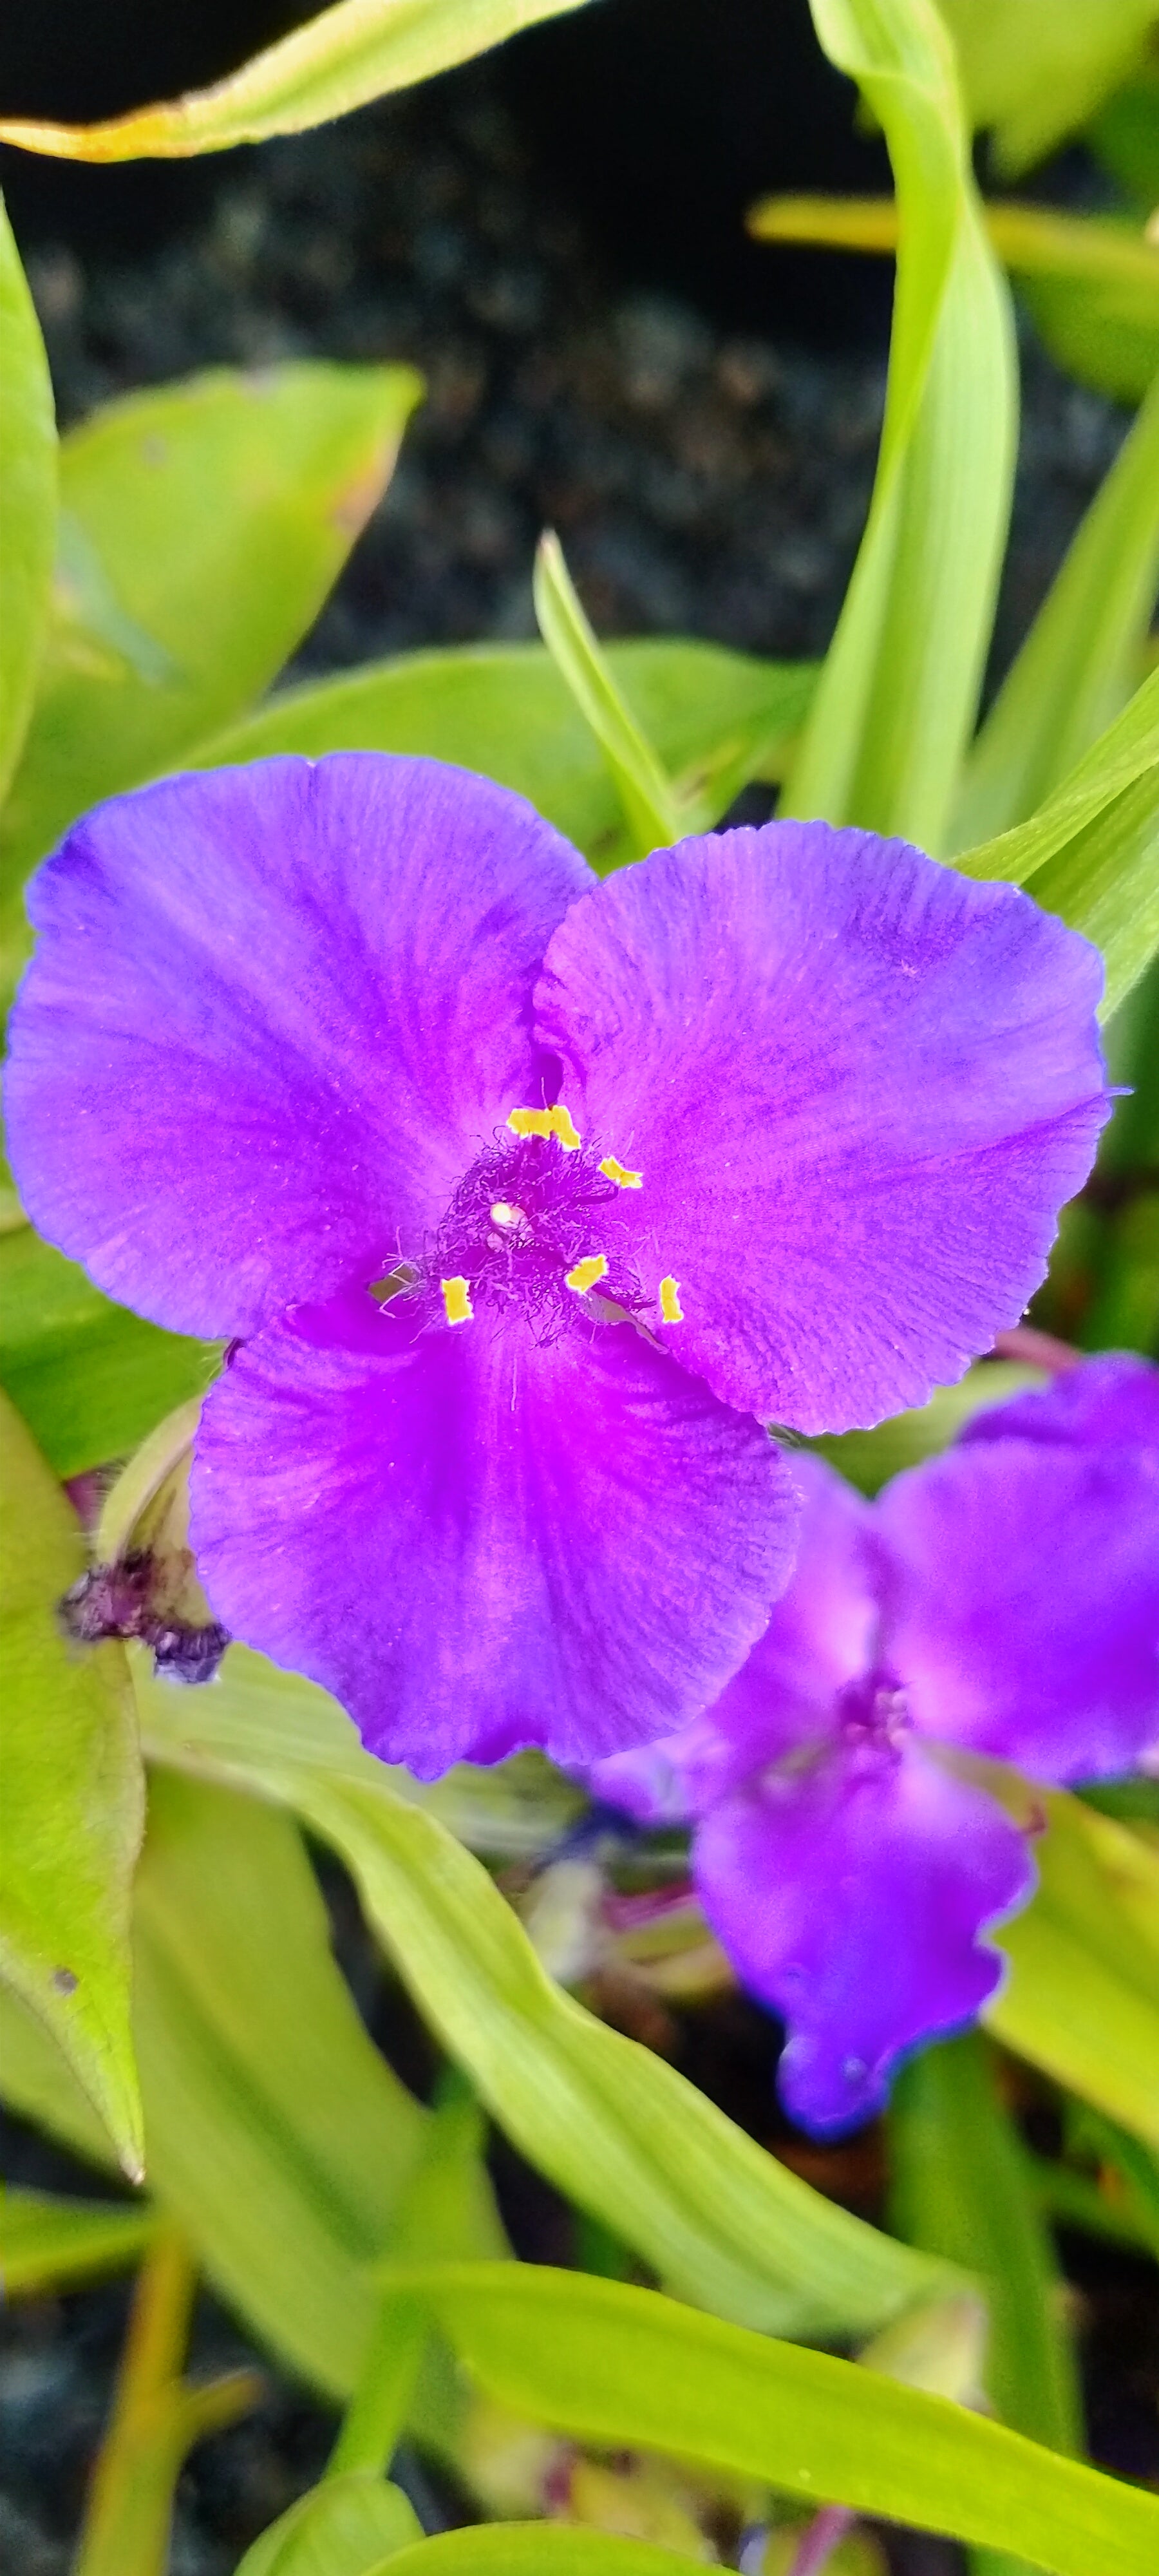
(554, 237)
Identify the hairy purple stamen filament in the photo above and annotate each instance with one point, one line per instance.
(522, 1218)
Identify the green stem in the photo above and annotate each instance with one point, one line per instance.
(156, 2419)
(377, 2411)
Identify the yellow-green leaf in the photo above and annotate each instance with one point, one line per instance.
(353, 52)
(48, 2243)
(70, 1798)
(344, 2527)
(1082, 1998)
(625, 2367)
(614, 2127)
(27, 500)
(201, 528)
(896, 700)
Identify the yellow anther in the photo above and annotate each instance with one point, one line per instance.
(671, 1309)
(555, 1122)
(457, 1300)
(502, 1214)
(586, 1273)
(619, 1173)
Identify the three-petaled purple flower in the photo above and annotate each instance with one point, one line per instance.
(530, 1199)
(1000, 1601)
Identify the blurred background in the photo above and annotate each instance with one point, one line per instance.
(556, 236)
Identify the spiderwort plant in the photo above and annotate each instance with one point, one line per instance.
(1001, 1601)
(529, 1200)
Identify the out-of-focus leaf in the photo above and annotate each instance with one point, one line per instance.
(896, 701)
(71, 1797)
(716, 719)
(623, 2366)
(27, 501)
(1131, 2168)
(651, 810)
(1124, 136)
(536, 2549)
(89, 1378)
(204, 524)
(355, 51)
(276, 2134)
(619, 2131)
(870, 1458)
(1082, 1998)
(344, 2527)
(960, 2189)
(1081, 658)
(1034, 70)
(1091, 282)
(47, 2243)
(1105, 330)
(1090, 853)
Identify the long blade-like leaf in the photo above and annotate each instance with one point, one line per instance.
(27, 501)
(614, 2127)
(623, 2366)
(355, 51)
(898, 691)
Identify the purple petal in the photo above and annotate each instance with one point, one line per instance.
(858, 1088)
(1109, 1401)
(853, 1903)
(272, 1013)
(477, 1542)
(1023, 1602)
(820, 1636)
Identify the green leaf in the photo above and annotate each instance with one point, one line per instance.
(536, 2549)
(625, 2367)
(1124, 136)
(960, 2189)
(205, 523)
(27, 501)
(345, 2527)
(651, 810)
(38, 2083)
(617, 2130)
(1104, 331)
(1082, 1999)
(277, 2135)
(47, 2243)
(358, 50)
(896, 701)
(1090, 852)
(716, 718)
(89, 1378)
(1081, 658)
(71, 1796)
(1034, 70)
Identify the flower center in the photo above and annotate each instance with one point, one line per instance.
(873, 1719)
(537, 1225)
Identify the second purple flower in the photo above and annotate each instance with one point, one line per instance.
(530, 1199)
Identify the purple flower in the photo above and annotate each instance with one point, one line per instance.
(1002, 1601)
(525, 1195)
